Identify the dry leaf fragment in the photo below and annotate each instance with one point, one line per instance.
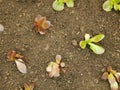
(21, 66)
(29, 86)
(41, 24)
(13, 55)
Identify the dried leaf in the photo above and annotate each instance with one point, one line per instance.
(21, 66)
(29, 86)
(13, 55)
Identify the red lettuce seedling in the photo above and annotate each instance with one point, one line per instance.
(113, 78)
(91, 42)
(14, 56)
(58, 5)
(41, 24)
(54, 68)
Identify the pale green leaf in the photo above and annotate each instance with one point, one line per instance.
(97, 38)
(58, 6)
(82, 44)
(96, 48)
(107, 6)
(70, 3)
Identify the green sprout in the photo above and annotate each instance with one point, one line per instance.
(111, 4)
(58, 5)
(91, 42)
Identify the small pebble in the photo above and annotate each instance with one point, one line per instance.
(74, 42)
(1, 28)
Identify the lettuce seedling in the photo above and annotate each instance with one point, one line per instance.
(41, 24)
(29, 86)
(54, 68)
(113, 77)
(111, 4)
(14, 56)
(58, 5)
(91, 42)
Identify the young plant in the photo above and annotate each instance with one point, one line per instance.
(58, 5)
(14, 56)
(41, 24)
(113, 78)
(91, 42)
(29, 86)
(54, 68)
(111, 4)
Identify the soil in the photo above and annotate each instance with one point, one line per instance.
(83, 68)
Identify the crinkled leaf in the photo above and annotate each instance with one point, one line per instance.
(97, 38)
(21, 66)
(58, 6)
(107, 6)
(96, 48)
(82, 44)
(70, 3)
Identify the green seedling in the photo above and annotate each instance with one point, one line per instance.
(111, 4)
(58, 5)
(91, 42)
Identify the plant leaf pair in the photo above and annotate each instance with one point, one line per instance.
(58, 5)
(91, 42)
(109, 4)
(113, 78)
(14, 56)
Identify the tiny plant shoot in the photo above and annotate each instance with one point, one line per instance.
(29, 86)
(54, 68)
(14, 56)
(41, 24)
(58, 5)
(112, 76)
(91, 42)
(111, 4)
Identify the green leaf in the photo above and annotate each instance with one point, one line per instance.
(96, 48)
(82, 44)
(70, 3)
(97, 38)
(58, 6)
(107, 6)
(116, 6)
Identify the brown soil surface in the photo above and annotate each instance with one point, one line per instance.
(83, 68)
